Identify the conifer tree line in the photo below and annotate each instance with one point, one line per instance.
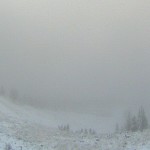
(133, 123)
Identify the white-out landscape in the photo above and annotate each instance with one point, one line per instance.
(74, 74)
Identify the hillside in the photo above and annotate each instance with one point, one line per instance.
(22, 129)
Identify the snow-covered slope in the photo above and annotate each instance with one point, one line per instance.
(25, 128)
(53, 119)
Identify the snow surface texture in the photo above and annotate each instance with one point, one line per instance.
(18, 132)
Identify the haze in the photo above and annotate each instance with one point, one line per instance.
(89, 56)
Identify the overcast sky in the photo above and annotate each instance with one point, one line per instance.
(89, 55)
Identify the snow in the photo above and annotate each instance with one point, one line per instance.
(21, 129)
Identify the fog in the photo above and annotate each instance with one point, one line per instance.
(89, 56)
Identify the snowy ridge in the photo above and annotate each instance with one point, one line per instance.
(20, 130)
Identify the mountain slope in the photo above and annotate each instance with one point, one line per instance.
(21, 128)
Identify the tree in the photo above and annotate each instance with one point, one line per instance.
(85, 131)
(67, 127)
(128, 123)
(136, 122)
(134, 125)
(142, 120)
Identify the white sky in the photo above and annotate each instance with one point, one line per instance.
(73, 53)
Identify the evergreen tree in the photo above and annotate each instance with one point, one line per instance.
(137, 122)
(67, 127)
(142, 120)
(128, 124)
(134, 125)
